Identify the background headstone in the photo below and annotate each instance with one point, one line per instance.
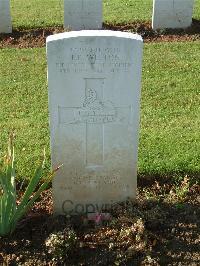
(83, 14)
(5, 17)
(94, 100)
(172, 14)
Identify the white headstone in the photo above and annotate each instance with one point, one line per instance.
(172, 14)
(5, 17)
(83, 14)
(94, 100)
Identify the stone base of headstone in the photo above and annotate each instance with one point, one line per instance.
(172, 14)
(5, 17)
(83, 14)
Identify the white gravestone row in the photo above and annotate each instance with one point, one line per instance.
(5, 17)
(83, 14)
(94, 100)
(172, 14)
(87, 14)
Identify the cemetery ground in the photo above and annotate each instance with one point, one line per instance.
(162, 226)
(34, 20)
(36, 37)
(41, 14)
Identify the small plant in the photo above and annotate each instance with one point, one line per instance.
(183, 189)
(180, 191)
(61, 244)
(10, 211)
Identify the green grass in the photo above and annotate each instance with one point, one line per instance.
(37, 13)
(169, 137)
(43, 13)
(122, 11)
(24, 106)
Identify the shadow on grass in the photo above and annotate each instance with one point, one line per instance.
(145, 29)
(145, 179)
(36, 37)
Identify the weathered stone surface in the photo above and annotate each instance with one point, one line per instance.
(172, 14)
(94, 100)
(5, 17)
(83, 14)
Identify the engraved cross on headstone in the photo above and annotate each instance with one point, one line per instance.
(95, 112)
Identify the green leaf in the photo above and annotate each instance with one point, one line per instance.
(10, 213)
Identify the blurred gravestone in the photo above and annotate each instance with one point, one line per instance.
(94, 101)
(172, 14)
(5, 17)
(83, 14)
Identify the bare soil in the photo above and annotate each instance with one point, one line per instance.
(23, 38)
(161, 227)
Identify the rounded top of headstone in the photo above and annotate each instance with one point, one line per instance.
(94, 33)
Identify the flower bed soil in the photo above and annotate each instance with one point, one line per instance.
(22, 38)
(162, 227)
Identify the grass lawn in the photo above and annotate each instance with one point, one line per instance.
(43, 13)
(163, 222)
(169, 137)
